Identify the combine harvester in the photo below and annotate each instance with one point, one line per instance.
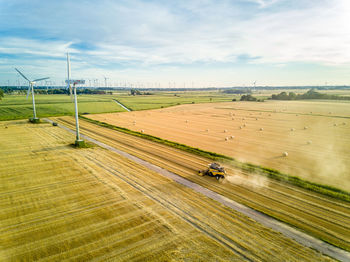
(214, 170)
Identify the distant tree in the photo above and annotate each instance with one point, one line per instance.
(292, 96)
(311, 94)
(1, 93)
(248, 98)
(135, 92)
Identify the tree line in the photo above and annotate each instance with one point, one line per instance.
(311, 94)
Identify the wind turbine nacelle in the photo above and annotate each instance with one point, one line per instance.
(76, 82)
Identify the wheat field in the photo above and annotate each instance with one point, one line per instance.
(59, 203)
(314, 134)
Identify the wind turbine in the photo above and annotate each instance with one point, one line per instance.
(31, 89)
(78, 141)
(105, 80)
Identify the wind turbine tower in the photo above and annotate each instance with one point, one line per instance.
(254, 84)
(78, 142)
(106, 78)
(31, 89)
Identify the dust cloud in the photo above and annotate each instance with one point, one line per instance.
(255, 181)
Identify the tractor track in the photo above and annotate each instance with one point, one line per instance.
(165, 202)
(300, 237)
(166, 157)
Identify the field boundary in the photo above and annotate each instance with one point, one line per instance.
(249, 167)
(123, 106)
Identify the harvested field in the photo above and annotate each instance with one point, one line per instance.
(61, 203)
(314, 135)
(320, 216)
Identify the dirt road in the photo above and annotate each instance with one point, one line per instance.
(288, 231)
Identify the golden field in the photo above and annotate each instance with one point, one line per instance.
(314, 134)
(61, 203)
(323, 217)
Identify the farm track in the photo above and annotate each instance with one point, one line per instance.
(105, 207)
(310, 212)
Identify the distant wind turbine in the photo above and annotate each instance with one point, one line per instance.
(106, 78)
(31, 89)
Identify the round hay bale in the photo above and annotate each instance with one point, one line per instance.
(226, 138)
(232, 137)
(309, 142)
(305, 127)
(335, 124)
(256, 118)
(225, 131)
(142, 131)
(285, 154)
(6, 127)
(292, 129)
(240, 127)
(261, 129)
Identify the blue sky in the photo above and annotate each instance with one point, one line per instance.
(207, 43)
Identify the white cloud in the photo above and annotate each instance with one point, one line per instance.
(135, 35)
(264, 3)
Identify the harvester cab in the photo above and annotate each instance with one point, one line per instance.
(214, 170)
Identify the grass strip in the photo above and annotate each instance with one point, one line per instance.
(251, 168)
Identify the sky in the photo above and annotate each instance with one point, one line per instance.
(180, 43)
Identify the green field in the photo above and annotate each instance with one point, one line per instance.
(18, 107)
(166, 99)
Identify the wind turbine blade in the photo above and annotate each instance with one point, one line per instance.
(28, 91)
(22, 75)
(40, 79)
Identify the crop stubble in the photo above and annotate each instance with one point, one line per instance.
(316, 135)
(61, 203)
(320, 216)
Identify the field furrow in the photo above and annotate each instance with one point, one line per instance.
(298, 211)
(63, 203)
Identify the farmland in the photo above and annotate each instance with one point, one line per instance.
(167, 99)
(320, 216)
(60, 203)
(18, 107)
(315, 134)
